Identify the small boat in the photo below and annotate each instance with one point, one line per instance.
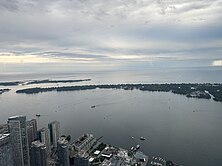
(137, 146)
(142, 138)
(93, 106)
(38, 115)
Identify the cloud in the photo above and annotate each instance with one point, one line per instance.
(10, 5)
(110, 33)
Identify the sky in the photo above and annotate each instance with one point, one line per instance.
(91, 35)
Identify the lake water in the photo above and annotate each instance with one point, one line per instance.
(167, 121)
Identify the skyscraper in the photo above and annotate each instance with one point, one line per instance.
(31, 130)
(19, 140)
(30, 135)
(33, 124)
(5, 150)
(44, 138)
(54, 128)
(63, 151)
(38, 154)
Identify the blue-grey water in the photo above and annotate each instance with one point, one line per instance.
(167, 121)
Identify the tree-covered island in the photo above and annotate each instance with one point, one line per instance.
(3, 91)
(194, 90)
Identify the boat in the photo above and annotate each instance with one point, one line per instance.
(93, 106)
(137, 147)
(142, 138)
(38, 115)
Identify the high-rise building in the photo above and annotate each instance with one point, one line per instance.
(38, 154)
(19, 140)
(44, 138)
(30, 135)
(63, 151)
(54, 129)
(5, 150)
(33, 123)
(31, 131)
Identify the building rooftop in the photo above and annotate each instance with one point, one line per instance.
(97, 152)
(37, 144)
(139, 155)
(29, 122)
(16, 116)
(82, 139)
(43, 129)
(157, 161)
(53, 122)
(63, 140)
(115, 162)
(91, 159)
(2, 136)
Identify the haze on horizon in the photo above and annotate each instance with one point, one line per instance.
(77, 35)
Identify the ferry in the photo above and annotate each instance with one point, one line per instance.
(142, 138)
(137, 147)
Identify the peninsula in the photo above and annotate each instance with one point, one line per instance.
(191, 90)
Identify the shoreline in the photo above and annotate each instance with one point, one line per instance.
(202, 91)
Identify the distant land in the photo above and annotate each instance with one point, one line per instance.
(192, 90)
(4, 90)
(14, 83)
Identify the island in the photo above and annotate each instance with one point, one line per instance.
(15, 83)
(190, 90)
(3, 91)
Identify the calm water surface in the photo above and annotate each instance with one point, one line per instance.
(167, 121)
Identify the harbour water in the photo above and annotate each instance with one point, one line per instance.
(187, 131)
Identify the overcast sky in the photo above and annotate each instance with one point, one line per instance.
(109, 34)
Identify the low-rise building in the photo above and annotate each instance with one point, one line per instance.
(156, 161)
(84, 142)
